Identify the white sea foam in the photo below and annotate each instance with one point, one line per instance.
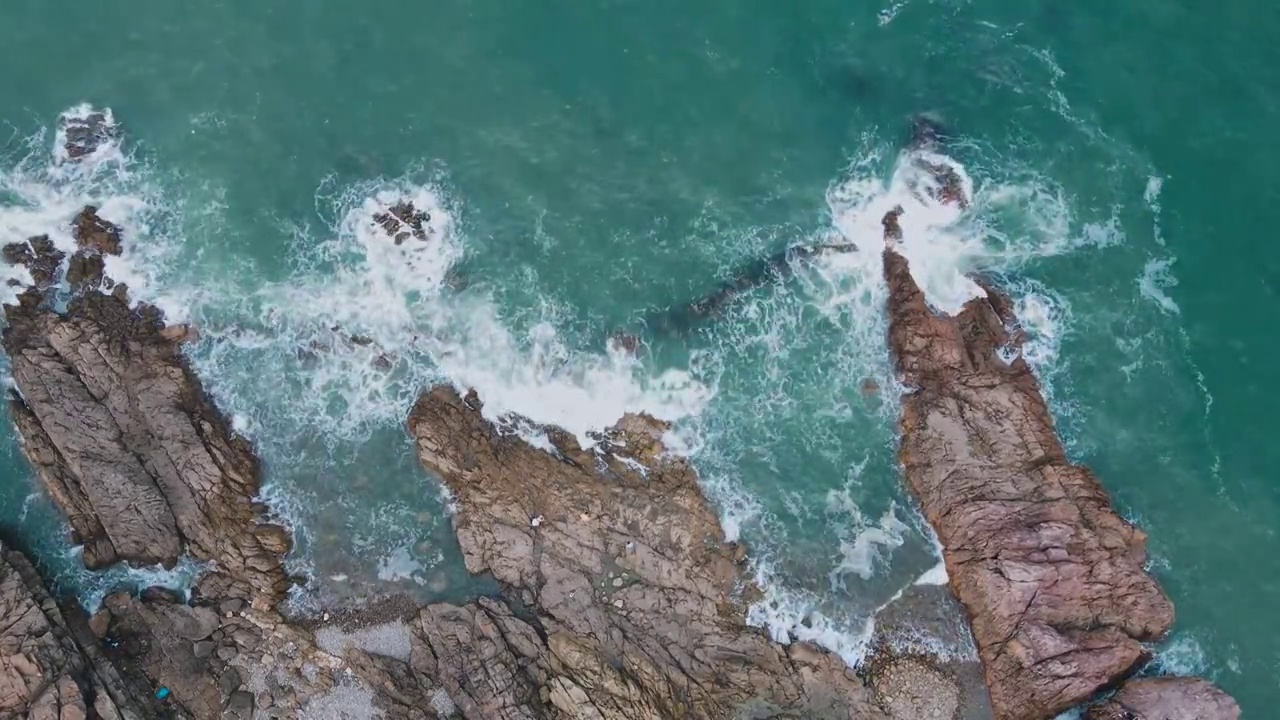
(792, 614)
(357, 282)
(44, 191)
(863, 544)
(1157, 277)
(1181, 655)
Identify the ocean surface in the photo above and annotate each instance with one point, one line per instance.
(587, 164)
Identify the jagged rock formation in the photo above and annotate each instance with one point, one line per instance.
(84, 133)
(620, 597)
(638, 598)
(623, 601)
(402, 221)
(1051, 578)
(1166, 699)
(126, 441)
(44, 674)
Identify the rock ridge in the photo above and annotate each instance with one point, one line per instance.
(1051, 578)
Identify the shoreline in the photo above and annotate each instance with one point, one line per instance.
(619, 596)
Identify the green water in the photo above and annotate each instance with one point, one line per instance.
(593, 161)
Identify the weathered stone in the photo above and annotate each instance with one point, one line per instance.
(85, 271)
(130, 448)
(230, 681)
(1051, 578)
(94, 233)
(39, 256)
(160, 594)
(84, 135)
(43, 672)
(240, 705)
(180, 333)
(671, 643)
(232, 606)
(1166, 698)
(100, 623)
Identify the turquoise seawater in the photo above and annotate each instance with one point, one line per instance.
(587, 163)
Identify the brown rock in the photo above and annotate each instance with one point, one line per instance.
(84, 135)
(44, 673)
(85, 271)
(93, 233)
(39, 256)
(131, 449)
(179, 334)
(1050, 576)
(1166, 698)
(671, 643)
(100, 623)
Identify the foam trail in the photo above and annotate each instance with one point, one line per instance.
(1155, 279)
(359, 283)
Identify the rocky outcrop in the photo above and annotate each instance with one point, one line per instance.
(44, 674)
(127, 443)
(84, 132)
(636, 598)
(1166, 698)
(1050, 576)
(403, 220)
(622, 599)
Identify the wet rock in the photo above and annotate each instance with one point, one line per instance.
(44, 672)
(39, 256)
(130, 448)
(403, 221)
(671, 643)
(1050, 576)
(85, 134)
(179, 334)
(86, 271)
(950, 187)
(1166, 698)
(94, 233)
(100, 623)
(892, 224)
(158, 594)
